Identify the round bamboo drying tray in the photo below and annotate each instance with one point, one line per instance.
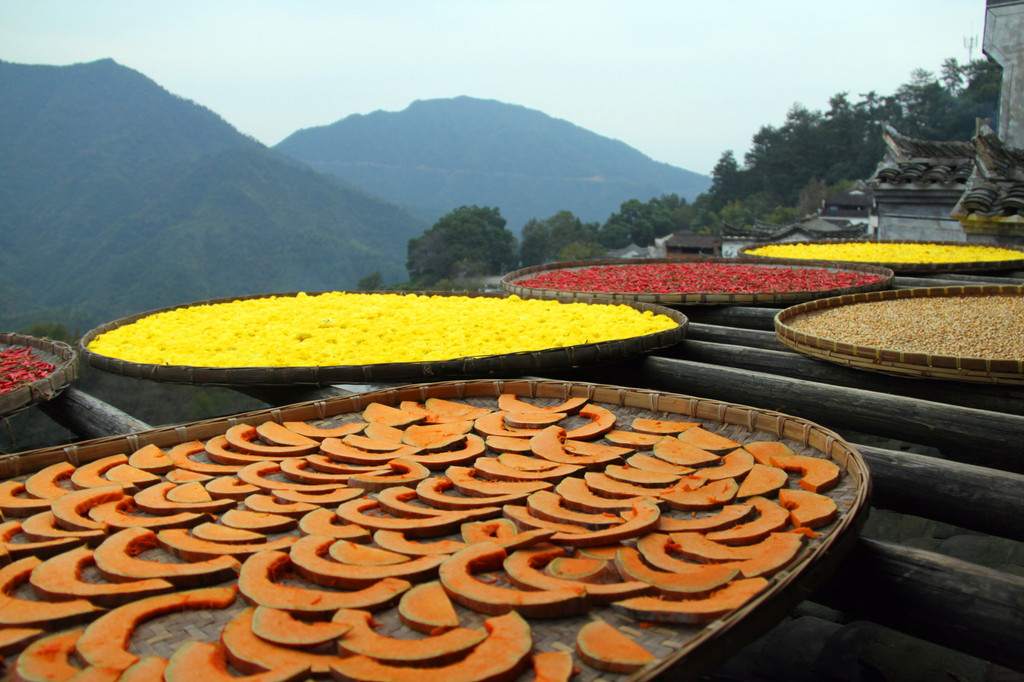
(772, 298)
(59, 354)
(895, 362)
(503, 365)
(912, 268)
(682, 652)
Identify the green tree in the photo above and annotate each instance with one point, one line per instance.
(469, 241)
(372, 282)
(544, 241)
(640, 223)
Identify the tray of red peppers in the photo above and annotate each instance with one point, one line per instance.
(694, 280)
(33, 370)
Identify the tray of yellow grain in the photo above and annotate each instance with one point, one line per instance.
(483, 529)
(901, 256)
(322, 338)
(967, 333)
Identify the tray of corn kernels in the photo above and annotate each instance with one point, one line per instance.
(900, 256)
(969, 333)
(478, 530)
(317, 339)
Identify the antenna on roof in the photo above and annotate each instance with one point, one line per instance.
(969, 43)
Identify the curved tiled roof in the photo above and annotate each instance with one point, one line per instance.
(909, 161)
(996, 188)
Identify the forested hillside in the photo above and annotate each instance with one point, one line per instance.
(117, 197)
(437, 155)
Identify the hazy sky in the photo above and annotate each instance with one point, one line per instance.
(681, 81)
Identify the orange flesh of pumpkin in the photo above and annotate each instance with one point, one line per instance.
(59, 578)
(762, 480)
(552, 666)
(278, 434)
(245, 438)
(501, 657)
(104, 642)
(640, 477)
(91, 475)
(326, 522)
(702, 579)
(673, 450)
(547, 505)
(694, 611)
(48, 658)
(214, 554)
(362, 640)
(492, 468)
(308, 556)
(217, 532)
(257, 522)
(196, 659)
(729, 515)
(632, 439)
(152, 459)
(772, 518)
(819, 474)
(808, 509)
(265, 504)
(391, 416)
(426, 608)
(713, 494)
(321, 432)
(661, 426)
(117, 561)
(436, 436)
(45, 483)
(602, 420)
(604, 647)
(648, 463)
(397, 542)
(378, 431)
(523, 569)
(146, 669)
(508, 444)
(21, 613)
(764, 450)
(230, 487)
(185, 476)
(509, 402)
(576, 494)
(778, 550)
(735, 464)
(70, 509)
(251, 655)
(707, 440)
(532, 420)
(183, 453)
(283, 628)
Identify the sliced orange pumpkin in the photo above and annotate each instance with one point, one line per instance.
(183, 456)
(309, 556)
(432, 437)
(356, 510)
(229, 487)
(510, 402)
(547, 505)
(266, 504)
(29, 613)
(708, 496)
(472, 447)
(729, 515)
(552, 666)
(432, 491)
(762, 480)
(605, 647)
(154, 500)
(524, 569)
(818, 474)
(348, 552)
(46, 483)
(257, 522)
(118, 561)
(661, 426)
(152, 459)
(576, 494)
(12, 550)
(198, 551)
(606, 486)
(433, 650)
(92, 475)
(501, 657)
(208, 660)
(643, 518)
(131, 477)
(146, 669)
(808, 509)
(246, 438)
(771, 518)
(532, 420)
(283, 628)
(584, 569)
(402, 472)
(516, 444)
(426, 608)
(698, 547)
(220, 451)
(253, 655)
(395, 541)
(119, 514)
(71, 510)
(735, 464)
(504, 533)
(764, 450)
(257, 581)
(632, 439)
(457, 577)
(104, 642)
(378, 431)
(707, 440)
(602, 420)
(59, 579)
(492, 468)
(327, 498)
(320, 432)
(701, 580)
(657, 550)
(47, 659)
(551, 444)
(43, 527)
(325, 522)
(654, 464)
(278, 434)
(693, 611)
(493, 424)
(466, 481)
(342, 451)
(218, 532)
(673, 450)
(641, 477)
(392, 416)
(179, 476)
(14, 640)
(14, 502)
(776, 552)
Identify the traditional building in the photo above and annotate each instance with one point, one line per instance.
(811, 228)
(917, 185)
(692, 243)
(991, 209)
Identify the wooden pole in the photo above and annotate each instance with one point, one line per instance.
(88, 417)
(960, 605)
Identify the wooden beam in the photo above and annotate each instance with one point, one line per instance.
(745, 317)
(88, 417)
(976, 498)
(783, 362)
(751, 338)
(966, 434)
(960, 605)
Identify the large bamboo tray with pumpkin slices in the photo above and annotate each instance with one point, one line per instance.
(702, 281)
(65, 368)
(514, 363)
(964, 333)
(451, 531)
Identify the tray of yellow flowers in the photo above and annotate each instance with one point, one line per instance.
(900, 256)
(317, 339)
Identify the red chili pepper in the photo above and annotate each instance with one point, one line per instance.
(18, 366)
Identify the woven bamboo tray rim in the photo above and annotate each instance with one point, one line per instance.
(697, 298)
(696, 650)
(501, 365)
(910, 268)
(903, 363)
(61, 355)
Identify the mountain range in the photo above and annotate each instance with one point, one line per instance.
(117, 196)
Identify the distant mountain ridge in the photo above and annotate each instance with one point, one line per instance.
(439, 154)
(118, 197)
